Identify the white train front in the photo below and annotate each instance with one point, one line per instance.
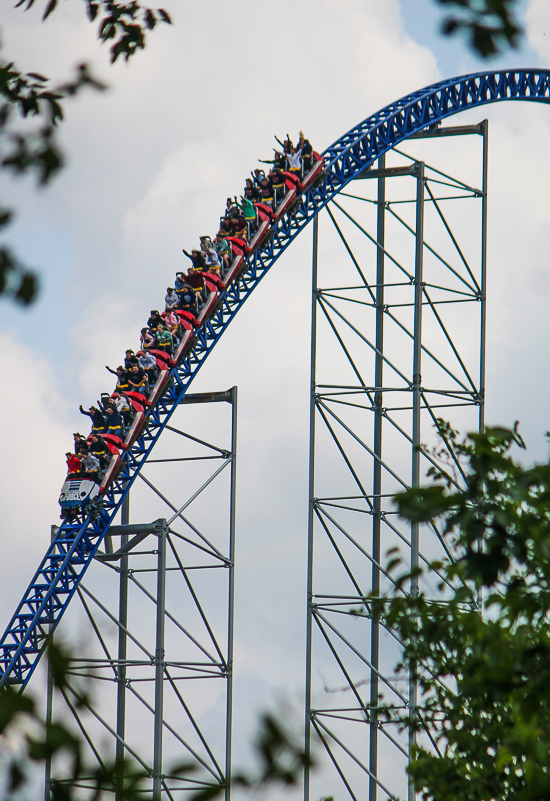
(78, 493)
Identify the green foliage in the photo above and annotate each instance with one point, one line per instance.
(27, 98)
(489, 24)
(30, 149)
(281, 760)
(20, 718)
(124, 25)
(483, 666)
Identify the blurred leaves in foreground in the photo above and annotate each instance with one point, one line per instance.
(479, 647)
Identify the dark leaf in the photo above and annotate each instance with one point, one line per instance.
(28, 289)
(49, 8)
(150, 19)
(208, 793)
(13, 703)
(16, 777)
(57, 738)
(59, 660)
(60, 792)
(6, 216)
(449, 26)
(183, 767)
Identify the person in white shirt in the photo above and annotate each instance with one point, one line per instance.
(171, 299)
(90, 465)
(210, 254)
(294, 160)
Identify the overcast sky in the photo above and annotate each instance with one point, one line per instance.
(149, 165)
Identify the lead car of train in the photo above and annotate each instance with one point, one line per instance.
(78, 495)
(81, 495)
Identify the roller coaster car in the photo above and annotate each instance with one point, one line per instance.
(236, 266)
(78, 494)
(316, 171)
(164, 362)
(208, 307)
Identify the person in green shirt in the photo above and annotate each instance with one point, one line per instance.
(164, 339)
(249, 210)
(224, 252)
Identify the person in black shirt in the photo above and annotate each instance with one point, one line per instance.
(267, 191)
(153, 320)
(99, 424)
(121, 377)
(187, 298)
(278, 161)
(199, 262)
(129, 359)
(137, 380)
(80, 443)
(98, 448)
(307, 152)
(278, 184)
(114, 421)
(251, 192)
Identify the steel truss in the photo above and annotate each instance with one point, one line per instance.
(154, 624)
(58, 575)
(398, 343)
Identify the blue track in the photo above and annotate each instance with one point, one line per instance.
(65, 562)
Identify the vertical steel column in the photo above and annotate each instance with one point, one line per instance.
(122, 643)
(159, 664)
(377, 480)
(483, 298)
(231, 600)
(416, 385)
(311, 509)
(49, 711)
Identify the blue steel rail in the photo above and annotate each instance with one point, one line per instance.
(75, 545)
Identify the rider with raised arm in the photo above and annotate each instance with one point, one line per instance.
(99, 423)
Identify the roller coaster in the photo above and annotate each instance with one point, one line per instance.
(353, 156)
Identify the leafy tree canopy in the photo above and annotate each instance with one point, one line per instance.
(481, 652)
(31, 110)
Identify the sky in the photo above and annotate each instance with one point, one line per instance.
(149, 165)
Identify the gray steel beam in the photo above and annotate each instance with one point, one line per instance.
(159, 665)
(209, 397)
(483, 294)
(311, 507)
(122, 643)
(231, 599)
(385, 172)
(416, 422)
(449, 130)
(49, 710)
(377, 476)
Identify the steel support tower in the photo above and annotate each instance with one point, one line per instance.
(398, 341)
(152, 631)
(394, 337)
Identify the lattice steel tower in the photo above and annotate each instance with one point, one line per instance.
(398, 341)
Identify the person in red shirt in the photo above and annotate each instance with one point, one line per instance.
(73, 463)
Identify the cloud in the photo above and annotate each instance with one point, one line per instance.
(150, 166)
(35, 436)
(537, 28)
